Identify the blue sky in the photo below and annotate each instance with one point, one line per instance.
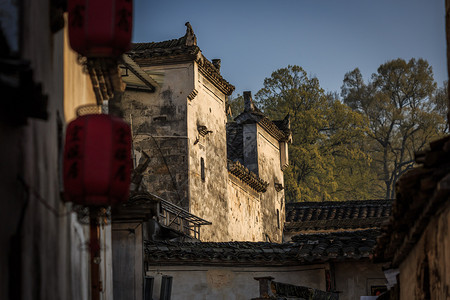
(326, 37)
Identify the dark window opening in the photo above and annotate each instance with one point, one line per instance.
(278, 219)
(166, 288)
(202, 168)
(148, 288)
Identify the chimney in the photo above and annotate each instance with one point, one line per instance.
(248, 102)
(216, 64)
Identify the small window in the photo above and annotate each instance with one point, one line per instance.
(166, 288)
(202, 168)
(278, 219)
(148, 288)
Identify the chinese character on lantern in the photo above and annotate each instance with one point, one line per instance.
(100, 28)
(97, 160)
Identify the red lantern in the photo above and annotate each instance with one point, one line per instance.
(100, 28)
(97, 160)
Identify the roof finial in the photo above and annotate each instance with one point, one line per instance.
(248, 102)
(216, 64)
(191, 39)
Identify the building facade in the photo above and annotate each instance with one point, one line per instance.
(327, 248)
(176, 101)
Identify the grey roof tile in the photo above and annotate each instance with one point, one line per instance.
(304, 216)
(305, 248)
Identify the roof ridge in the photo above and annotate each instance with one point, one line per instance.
(179, 50)
(323, 203)
(306, 249)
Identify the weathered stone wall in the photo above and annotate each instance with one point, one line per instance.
(182, 127)
(261, 155)
(160, 130)
(208, 193)
(424, 273)
(244, 206)
(269, 170)
(231, 283)
(355, 279)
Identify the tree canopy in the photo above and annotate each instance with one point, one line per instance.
(403, 111)
(327, 160)
(356, 148)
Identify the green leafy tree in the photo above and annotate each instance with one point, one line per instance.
(326, 162)
(402, 117)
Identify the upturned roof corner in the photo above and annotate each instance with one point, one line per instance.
(191, 39)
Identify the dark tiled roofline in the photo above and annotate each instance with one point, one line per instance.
(265, 123)
(306, 249)
(375, 202)
(334, 224)
(177, 51)
(331, 215)
(208, 70)
(180, 43)
(247, 176)
(341, 234)
(280, 129)
(273, 130)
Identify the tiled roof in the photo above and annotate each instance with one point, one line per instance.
(280, 130)
(184, 44)
(284, 125)
(338, 245)
(170, 44)
(176, 51)
(305, 216)
(247, 176)
(281, 134)
(420, 194)
(305, 249)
